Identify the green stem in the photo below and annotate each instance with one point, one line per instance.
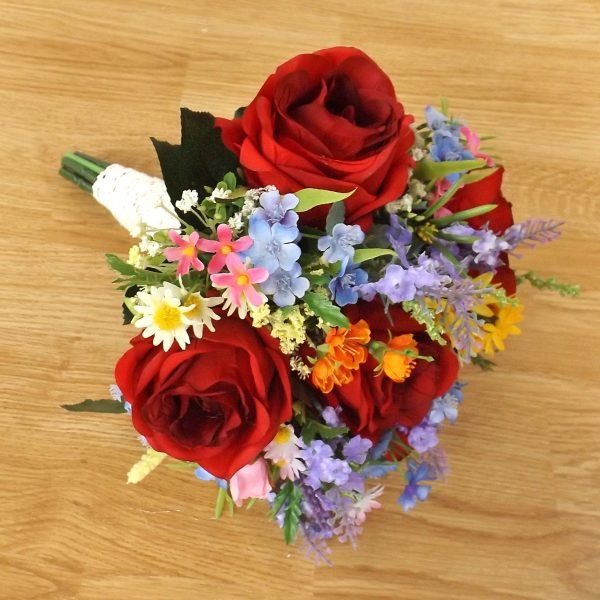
(90, 165)
(464, 215)
(76, 179)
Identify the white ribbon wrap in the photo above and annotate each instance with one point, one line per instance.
(136, 200)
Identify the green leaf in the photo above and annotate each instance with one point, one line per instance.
(336, 215)
(119, 265)
(311, 197)
(464, 215)
(239, 113)
(485, 364)
(97, 406)
(313, 428)
(322, 307)
(428, 170)
(363, 254)
(291, 514)
(230, 181)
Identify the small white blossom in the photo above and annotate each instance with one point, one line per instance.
(189, 199)
(236, 222)
(417, 188)
(417, 153)
(285, 451)
(366, 503)
(220, 194)
(150, 247)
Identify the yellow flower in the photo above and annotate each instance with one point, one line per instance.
(504, 325)
(149, 461)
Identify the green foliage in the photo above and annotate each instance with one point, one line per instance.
(323, 307)
(421, 314)
(464, 215)
(119, 265)
(200, 160)
(311, 197)
(485, 364)
(364, 254)
(289, 498)
(549, 283)
(314, 428)
(428, 170)
(97, 406)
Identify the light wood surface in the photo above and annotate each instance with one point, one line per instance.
(519, 517)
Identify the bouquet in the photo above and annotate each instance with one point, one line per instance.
(307, 281)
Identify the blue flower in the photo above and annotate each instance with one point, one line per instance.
(273, 246)
(414, 490)
(400, 284)
(286, 286)
(344, 286)
(423, 437)
(203, 475)
(446, 407)
(438, 121)
(399, 237)
(339, 246)
(275, 208)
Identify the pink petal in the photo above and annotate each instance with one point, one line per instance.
(183, 268)
(253, 296)
(197, 264)
(224, 279)
(193, 239)
(257, 274)
(172, 254)
(217, 262)
(242, 244)
(224, 233)
(176, 238)
(209, 245)
(234, 264)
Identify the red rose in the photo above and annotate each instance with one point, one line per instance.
(219, 402)
(485, 191)
(371, 404)
(326, 120)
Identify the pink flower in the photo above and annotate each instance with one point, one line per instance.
(185, 251)
(473, 144)
(240, 281)
(223, 247)
(251, 481)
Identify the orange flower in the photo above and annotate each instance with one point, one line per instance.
(326, 373)
(396, 363)
(348, 346)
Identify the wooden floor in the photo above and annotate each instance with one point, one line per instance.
(519, 517)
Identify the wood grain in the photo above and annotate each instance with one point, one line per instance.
(520, 515)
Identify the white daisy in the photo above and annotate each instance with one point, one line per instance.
(163, 315)
(284, 451)
(202, 313)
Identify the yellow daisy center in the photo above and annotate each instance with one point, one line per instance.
(167, 317)
(283, 436)
(195, 301)
(243, 280)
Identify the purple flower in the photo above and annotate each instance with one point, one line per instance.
(414, 489)
(321, 467)
(344, 286)
(339, 246)
(275, 208)
(355, 450)
(273, 246)
(488, 248)
(400, 284)
(331, 416)
(286, 286)
(423, 437)
(399, 237)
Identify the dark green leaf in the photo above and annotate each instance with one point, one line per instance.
(485, 364)
(97, 406)
(291, 515)
(230, 181)
(239, 113)
(130, 292)
(314, 428)
(119, 265)
(201, 160)
(322, 307)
